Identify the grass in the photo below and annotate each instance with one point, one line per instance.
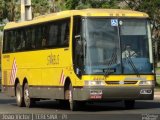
(157, 88)
(158, 77)
(158, 68)
(158, 80)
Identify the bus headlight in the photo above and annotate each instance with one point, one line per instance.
(146, 82)
(94, 83)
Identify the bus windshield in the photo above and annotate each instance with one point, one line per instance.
(116, 46)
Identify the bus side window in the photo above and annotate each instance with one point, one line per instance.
(33, 46)
(13, 39)
(65, 33)
(18, 40)
(28, 38)
(44, 33)
(53, 34)
(44, 42)
(23, 40)
(9, 41)
(38, 37)
(6, 45)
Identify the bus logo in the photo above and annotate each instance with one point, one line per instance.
(53, 59)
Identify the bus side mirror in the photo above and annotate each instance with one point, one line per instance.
(78, 40)
(78, 37)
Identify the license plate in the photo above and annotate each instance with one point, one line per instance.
(96, 96)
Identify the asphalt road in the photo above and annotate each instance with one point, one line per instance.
(51, 110)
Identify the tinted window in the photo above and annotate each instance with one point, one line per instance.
(46, 35)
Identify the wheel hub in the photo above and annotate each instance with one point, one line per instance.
(26, 95)
(18, 95)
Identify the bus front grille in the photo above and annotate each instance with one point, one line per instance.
(121, 82)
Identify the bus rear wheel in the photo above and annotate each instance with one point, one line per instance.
(19, 96)
(27, 100)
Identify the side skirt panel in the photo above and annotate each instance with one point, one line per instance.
(46, 92)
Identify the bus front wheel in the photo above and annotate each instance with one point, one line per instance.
(129, 104)
(19, 96)
(72, 103)
(27, 100)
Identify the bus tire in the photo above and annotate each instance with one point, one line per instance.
(19, 96)
(72, 103)
(129, 104)
(63, 103)
(27, 100)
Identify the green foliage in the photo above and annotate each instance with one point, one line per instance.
(71, 4)
(1, 9)
(1, 28)
(82, 4)
(104, 3)
(158, 80)
(9, 9)
(40, 7)
(60, 5)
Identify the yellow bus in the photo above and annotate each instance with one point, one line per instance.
(79, 56)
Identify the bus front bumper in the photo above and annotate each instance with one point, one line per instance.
(92, 93)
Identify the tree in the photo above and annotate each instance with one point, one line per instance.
(40, 7)
(1, 9)
(83, 4)
(9, 9)
(104, 3)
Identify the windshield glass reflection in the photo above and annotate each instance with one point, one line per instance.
(113, 46)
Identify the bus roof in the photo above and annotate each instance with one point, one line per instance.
(84, 12)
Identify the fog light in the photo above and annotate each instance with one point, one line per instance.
(94, 83)
(146, 83)
(146, 91)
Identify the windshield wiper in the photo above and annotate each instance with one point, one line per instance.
(111, 61)
(133, 66)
